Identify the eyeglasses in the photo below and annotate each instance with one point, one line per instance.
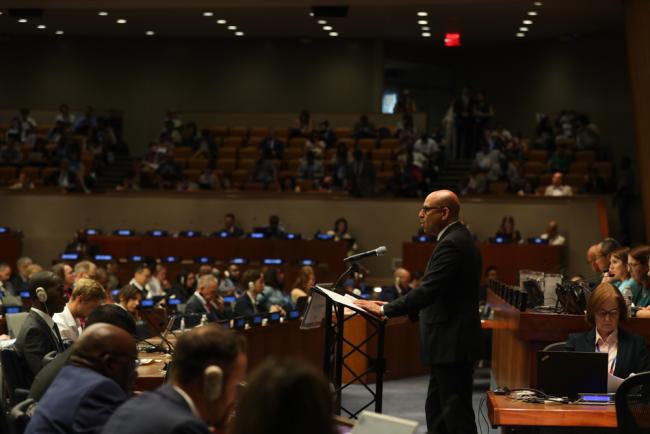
(634, 264)
(604, 313)
(426, 209)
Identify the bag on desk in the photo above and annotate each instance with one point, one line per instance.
(572, 297)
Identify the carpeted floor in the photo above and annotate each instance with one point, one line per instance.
(405, 398)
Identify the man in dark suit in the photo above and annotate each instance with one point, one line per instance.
(246, 304)
(230, 227)
(271, 147)
(447, 302)
(209, 363)
(39, 334)
(98, 378)
(19, 280)
(399, 288)
(206, 300)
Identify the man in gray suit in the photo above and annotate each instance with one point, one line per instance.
(447, 302)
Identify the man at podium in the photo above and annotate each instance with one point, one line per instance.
(447, 303)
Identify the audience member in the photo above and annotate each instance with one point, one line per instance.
(86, 122)
(552, 235)
(39, 334)
(86, 296)
(326, 134)
(339, 166)
(311, 169)
(98, 378)
(229, 283)
(315, 145)
(340, 233)
(475, 183)
(507, 230)
(206, 300)
(400, 287)
(33, 269)
(264, 171)
(65, 273)
(605, 249)
(209, 364)
(19, 280)
(405, 103)
(246, 304)
(296, 400)
(557, 188)
(364, 129)
(619, 273)
(184, 286)
(274, 230)
(594, 183)
(271, 147)
(361, 174)
(605, 310)
(302, 126)
(8, 296)
(64, 116)
(230, 226)
(273, 293)
(560, 160)
(637, 260)
(592, 255)
(304, 282)
(82, 246)
(141, 277)
(129, 299)
(24, 182)
(491, 275)
(157, 286)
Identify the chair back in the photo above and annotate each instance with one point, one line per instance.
(15, 323)
(633, 405)
(14, 374)
(556, 346)
(21, 414)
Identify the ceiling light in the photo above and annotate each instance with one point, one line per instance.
(221, 21)
(41, 26)
(426, 28)
(523, 29)
(121, 21)
(532, 13)
(322, 22)
(423, 22)
(520, 35)
(327, 28)
(150, 33)
(538, 3)
(426, 34)
(232, 27)
(208, 14)
(102, 13)
(423, 14)
(527, 22)
(334, 34)
(239, 33)
(22, 20)
(59, 32)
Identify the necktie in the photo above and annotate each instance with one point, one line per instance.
(59, 342)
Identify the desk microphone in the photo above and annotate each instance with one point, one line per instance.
(377, 252)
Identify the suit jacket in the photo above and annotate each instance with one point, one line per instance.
(46, 376)
(632, 355)
(244, 306)
(90, 398)
(34, 341)
(194, 305)
(172, 415)
(447, 300)
(390, 293)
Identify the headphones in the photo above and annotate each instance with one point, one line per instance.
(41, 294)
(212, 382)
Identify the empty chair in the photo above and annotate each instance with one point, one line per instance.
(246, 164)
(388, 143)
(218, 131)
(367, 144)
(238, 132)
(343, 132)
(293, 153)
(497, 187)
(555, 346)
(192, 174)
(604, 168)
(633, 405)
(259, 132)
(538, 155)
(248, 153)
(254, 141)
(182, 152)
(586, 156)
(231, 142)
(534, 168)
(297, 142)
(579, 167)
(381, 154)
(349, 143)
(7, 174)
(226, 165)
(197, 163)
(228, 153)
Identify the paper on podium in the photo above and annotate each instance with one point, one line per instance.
(346, 300)
(613, 382)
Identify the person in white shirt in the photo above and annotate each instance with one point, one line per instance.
(86, 296)
(158, 282)
(552, 235)
(557, 188)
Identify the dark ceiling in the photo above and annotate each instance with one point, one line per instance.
(479, 21)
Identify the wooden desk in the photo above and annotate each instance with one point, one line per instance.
(517, 336)
(507, 258)
(509, 413)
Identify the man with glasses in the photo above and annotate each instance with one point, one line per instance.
(98, 378)
(447, 303)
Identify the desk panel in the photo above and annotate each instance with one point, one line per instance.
(11, 248)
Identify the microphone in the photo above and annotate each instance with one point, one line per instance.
(377, 252)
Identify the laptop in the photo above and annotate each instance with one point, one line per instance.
(375, 423)
(570, 373)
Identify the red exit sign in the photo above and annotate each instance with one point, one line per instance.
(452, 40)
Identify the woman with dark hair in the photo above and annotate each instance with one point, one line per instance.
(340, 232)
(184, 286)
(302, 286)
(507, 230)
(273, 293)
(605, 310)
(129, 299)
(637, 261)
(285, 396)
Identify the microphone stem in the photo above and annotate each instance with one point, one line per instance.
(351, 269)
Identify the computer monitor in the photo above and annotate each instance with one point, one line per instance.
(569, 373)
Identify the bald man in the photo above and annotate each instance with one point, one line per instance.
(98, 378)
(593, 252)
(400, 287)
(447, 302)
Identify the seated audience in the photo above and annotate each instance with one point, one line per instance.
(475, 183)
(507, 230)
(24, 182)
(273, 293)
(274, 230)
(8, 296)
(33, 269)
(592, 255)
(605, 249)
(405, 103)
(20, 278)
(400, 287)
(82, 246)
(206, 300)
(86, 296)
(637, 260)
(303, 284)
(271, 147)
(315, 145)
(338, 167)
(605, 310)
(311, 169)
(618, 271)
(66, 274)
(64, 116)
(557, 188)
(39, 334)
(209, 364)
(246, 304)
(361, 174)
(264, 171)
(98, 378)
(157, 285)
(490, 276)
(302, 126)
(107, 313)
(229, 283)
(326, 134)
(141, 277)
(86, 122)
(129, 299)
(230, 226)
(560, 160)
(296, 398)
(184, 286)
(364, 129)
(340, 233)
(552, 235)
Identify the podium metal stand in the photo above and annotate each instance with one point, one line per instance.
(334, 360)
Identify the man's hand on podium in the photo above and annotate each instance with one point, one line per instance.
(374, 307)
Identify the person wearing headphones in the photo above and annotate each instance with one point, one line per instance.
(209, 363)
(401, 287)
(246, 304)
(39, 335)
(86, 296)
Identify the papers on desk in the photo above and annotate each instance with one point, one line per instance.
(8, 343)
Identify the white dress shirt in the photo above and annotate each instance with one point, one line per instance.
(48, 320)
(609, 346)
(69, 326)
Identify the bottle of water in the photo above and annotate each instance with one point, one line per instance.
(204, 320)
(627, 296)
(182, 324)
